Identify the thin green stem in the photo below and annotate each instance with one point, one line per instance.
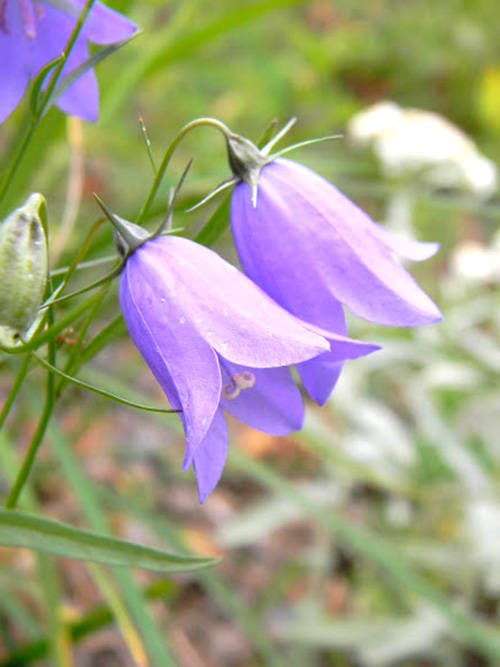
(36, 118)
(37, 438)
(21, 374)
(89, 264)
(102, 392)
(197, 122)
(101, 281)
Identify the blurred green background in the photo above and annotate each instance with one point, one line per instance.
(370, 538)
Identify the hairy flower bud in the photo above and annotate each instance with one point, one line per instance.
(23, 268)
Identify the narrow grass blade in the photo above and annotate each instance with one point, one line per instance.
(26, 530)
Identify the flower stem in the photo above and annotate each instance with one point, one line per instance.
(42, 108)
(37, 438)
(197, 122)
(101, 392)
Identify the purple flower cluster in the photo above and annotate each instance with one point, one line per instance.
(34, 32)
(217, 340)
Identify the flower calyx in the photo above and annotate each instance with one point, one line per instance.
(127, 236)
(246, 161)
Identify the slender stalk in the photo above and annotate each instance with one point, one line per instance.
(21, 374)
(36, 118)
(96, 390)
(197, 122)
(89, 264)
(37, 438)
(101, 281)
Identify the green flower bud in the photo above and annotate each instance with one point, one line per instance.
(23, 268)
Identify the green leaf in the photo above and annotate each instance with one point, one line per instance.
(18, 529)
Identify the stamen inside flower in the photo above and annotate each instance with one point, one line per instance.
(26, 13)
(238, 381)
(3, 16)
(27, 18)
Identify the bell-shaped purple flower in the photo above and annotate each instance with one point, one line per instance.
(313, 250)
(215, 341)
(34, 32)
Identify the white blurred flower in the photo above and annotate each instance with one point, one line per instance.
(483, 530)
(366, 125)
(423, 142)
(475, 263)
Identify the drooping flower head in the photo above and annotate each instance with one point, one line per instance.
(215, 341)
(34, 32)
(314, 251)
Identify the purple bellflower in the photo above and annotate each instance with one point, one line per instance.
(34, 32)
(314, 251)
(215, 341)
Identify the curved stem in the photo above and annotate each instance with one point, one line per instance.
(102, 392)
(197, 122)
(87, 288)
(89, 264)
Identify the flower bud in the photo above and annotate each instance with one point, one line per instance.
(23, 268)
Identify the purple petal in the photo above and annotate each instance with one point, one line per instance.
(319, 377)
(408, 248)
(231, 313)
(210, 456)
(14, 63)
(183, 363)
(272, 404)
(305, 295)
(105, 25)
(52, 32)
(304, 224)
(81, 98)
